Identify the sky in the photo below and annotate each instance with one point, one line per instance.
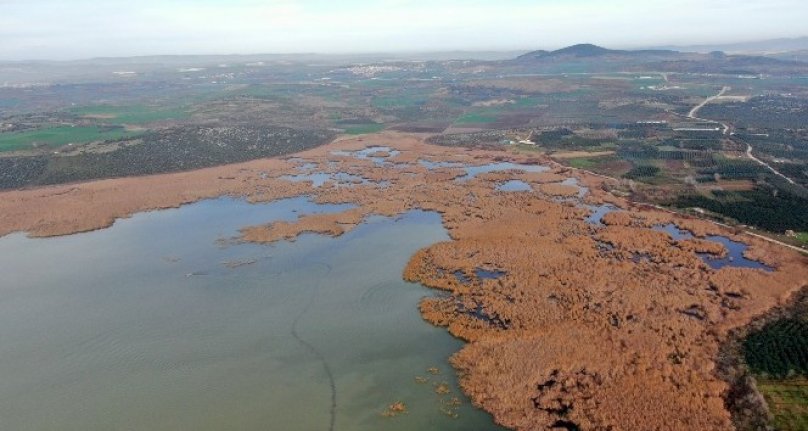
(72, 29)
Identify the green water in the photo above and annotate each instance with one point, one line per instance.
(142, 327)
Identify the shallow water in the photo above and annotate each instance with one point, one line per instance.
(582, 191)
(735, 250)
(598, 211)
(514, 186)
(319, 178)
(473, 171)
(437, 165)
(368, 153)
(155, 325)
(488, 274)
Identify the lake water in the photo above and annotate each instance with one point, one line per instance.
(370, 153)
(319, 178)
(160, 323)
(514, 186)
(598, 211)
(473, 171)
(735, 250)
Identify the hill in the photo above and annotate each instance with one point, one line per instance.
(588, 50)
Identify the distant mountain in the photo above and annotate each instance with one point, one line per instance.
(592, 58)
(800, 55)
(588, 50)
(583, 50)
(753, 47)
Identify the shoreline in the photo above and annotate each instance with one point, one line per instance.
(638, 324)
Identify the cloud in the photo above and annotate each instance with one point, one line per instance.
(87, 28)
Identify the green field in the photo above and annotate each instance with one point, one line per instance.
(399, 101)
(58, 136)
(778, 357)
(788, 402)
(137, 114)
(361, 129)
(581, 163)
(802, 237)
(475, 118)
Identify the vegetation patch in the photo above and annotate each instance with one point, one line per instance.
(777, 355)
(137, 114)
(779, 349)
(776, 211)
(58, 136)
(642, 172)
(787, 401)
(361, 129)
(581, 163)
(170, 150)
(475, 118)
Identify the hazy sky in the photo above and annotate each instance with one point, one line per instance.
(65, 29)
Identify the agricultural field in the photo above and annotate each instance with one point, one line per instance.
(167, 150)
(788, 402)
(58, 136)
(138, 114)
(624, 117)
(708, 135)
(777, 355)
(780, 349)
(361, 129)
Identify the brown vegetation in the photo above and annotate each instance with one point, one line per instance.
(614, 327)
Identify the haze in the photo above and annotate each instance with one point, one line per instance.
(55, 29)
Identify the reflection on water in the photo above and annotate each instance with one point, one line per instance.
(154, 325)
(735, 250)
(734, 258)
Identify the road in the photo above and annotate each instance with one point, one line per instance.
(695, 110)
(756, 235)
(692, 115)
(670, 211)
(749, 149)
(762, 163)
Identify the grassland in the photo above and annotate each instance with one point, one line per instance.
(361, 129)
(787, 401)
(778, 357)
(398, 101)
(137, 114)
(58, 136)
(582, 163)
(475, 118)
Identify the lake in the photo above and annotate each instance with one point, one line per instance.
(162, 322)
